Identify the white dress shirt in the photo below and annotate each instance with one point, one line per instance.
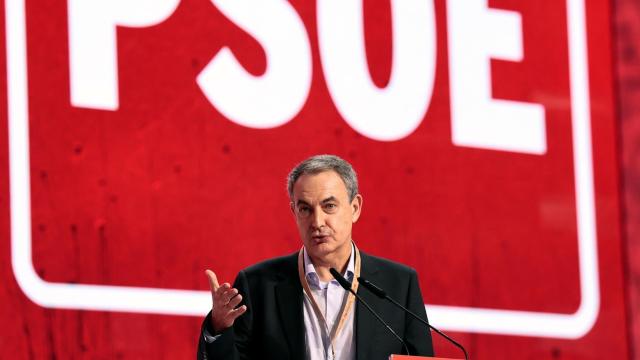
(330, 297)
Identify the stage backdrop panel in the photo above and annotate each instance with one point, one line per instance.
(148, 141)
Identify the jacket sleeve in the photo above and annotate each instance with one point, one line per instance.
(233, 343)
(417, 335)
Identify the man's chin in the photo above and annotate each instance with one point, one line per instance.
(319, 248)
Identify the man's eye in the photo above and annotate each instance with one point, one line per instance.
(330, 206)
(303, 210)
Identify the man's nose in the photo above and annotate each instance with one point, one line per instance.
(318, 219)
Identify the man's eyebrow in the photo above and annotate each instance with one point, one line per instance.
(329, 199)
(301, 202)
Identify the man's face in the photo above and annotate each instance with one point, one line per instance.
(324, 214)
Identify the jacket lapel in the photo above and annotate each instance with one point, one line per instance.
(366, 323)
(289, 300)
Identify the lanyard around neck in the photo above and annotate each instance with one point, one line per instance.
(347, 305)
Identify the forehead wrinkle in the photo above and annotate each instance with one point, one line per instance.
(314, 186)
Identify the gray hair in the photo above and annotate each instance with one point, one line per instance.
(319, 163)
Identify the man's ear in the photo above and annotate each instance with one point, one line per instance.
(292, 207)
(356, 208)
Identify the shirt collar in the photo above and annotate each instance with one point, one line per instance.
(312, 276)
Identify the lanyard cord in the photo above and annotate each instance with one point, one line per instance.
(346, 306)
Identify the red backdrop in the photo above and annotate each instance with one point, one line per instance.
(627, 31)
(153, 192)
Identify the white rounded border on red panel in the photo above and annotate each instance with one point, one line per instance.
(198, 303)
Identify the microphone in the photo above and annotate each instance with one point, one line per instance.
(347, 286)
(383, 295)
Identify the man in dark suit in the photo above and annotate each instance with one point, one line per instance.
(292, 308)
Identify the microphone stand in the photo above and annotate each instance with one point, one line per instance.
(382, 294)
(347, 286)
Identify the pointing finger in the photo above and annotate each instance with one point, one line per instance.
(213, 280)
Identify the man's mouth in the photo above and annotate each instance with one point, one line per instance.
(320, 238)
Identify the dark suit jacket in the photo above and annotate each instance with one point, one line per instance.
(273, 326)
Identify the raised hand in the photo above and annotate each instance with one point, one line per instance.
(225, 299)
